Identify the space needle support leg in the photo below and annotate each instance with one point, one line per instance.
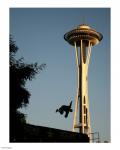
(88, 56)
(76, 101)
(88, 60)
(81, 117)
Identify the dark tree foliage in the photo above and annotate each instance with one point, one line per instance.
(20, 72)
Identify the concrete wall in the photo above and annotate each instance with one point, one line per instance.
(44, 134)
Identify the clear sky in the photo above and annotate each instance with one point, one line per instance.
(39, 35)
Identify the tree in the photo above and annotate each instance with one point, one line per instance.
(20, 73)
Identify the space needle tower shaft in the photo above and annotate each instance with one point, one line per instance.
(82, 38)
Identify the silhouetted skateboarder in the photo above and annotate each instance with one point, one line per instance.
(65, 109)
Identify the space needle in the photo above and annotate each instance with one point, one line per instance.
(82, 38)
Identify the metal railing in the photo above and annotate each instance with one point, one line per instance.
(95, 137)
